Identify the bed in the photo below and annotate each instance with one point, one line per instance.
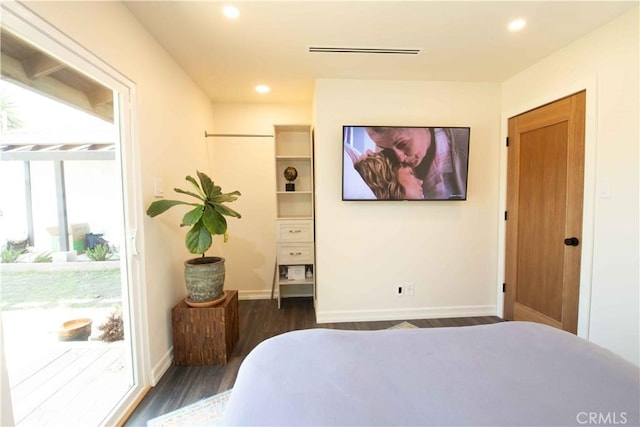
(503, 374)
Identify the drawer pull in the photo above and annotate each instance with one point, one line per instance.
(295, 231)
(295, 253)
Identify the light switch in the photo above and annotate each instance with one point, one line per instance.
(158, 188)
(604, 189)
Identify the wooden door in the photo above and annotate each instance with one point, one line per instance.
(544, 213)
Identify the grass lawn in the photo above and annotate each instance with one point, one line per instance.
(55, 289)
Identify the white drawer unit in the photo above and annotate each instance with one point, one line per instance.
(295, 274)
(295, 253)
(294, 231)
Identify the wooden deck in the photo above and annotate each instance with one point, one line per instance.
(69, 383)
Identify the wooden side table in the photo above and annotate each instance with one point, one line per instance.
(205, 336)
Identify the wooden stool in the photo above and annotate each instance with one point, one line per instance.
(205, 335)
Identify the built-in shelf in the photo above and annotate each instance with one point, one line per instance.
(295, 210)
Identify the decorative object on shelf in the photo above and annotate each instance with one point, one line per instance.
(295, 272)
(204, 276)
(309, 273)
(290, 174)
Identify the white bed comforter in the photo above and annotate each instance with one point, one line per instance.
(505, 374)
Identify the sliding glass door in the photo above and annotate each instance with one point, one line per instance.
(71, 277)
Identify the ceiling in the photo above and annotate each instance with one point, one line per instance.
(269, 43)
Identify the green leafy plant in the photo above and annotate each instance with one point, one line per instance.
(113, 328)
(99, 253)
(9, 110)
(207, 218)
(9, 255)
(43, 257)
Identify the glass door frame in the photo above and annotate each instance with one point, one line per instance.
(18, 19)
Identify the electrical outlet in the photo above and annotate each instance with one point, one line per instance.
(399, 290)
(408, 289)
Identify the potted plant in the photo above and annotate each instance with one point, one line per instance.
(204, 276)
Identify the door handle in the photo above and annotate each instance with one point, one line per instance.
(572, 241)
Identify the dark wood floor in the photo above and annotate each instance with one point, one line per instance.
(259, 320)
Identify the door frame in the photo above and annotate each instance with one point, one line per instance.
(589, 190)
(20, 20)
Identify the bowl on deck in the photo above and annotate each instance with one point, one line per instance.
(75, 330)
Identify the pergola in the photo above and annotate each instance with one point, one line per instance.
(56, 148)
(33, 69)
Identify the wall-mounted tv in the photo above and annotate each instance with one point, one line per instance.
(405, 163)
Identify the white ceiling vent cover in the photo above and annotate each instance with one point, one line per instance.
(388, 51)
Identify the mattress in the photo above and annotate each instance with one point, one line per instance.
(503, 374)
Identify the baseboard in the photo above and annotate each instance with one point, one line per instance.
(132, 407)
(387, 314)
(161, 367)
(404, 314)
(248, 295)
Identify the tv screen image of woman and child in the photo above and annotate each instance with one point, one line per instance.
(405, 163)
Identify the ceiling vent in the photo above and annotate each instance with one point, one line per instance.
(322, 49)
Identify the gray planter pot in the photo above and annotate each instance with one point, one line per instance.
(204, 278)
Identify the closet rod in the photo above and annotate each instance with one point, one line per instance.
(236, 135)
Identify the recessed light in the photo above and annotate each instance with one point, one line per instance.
(262, 89)
(517, 24)
(230, 12)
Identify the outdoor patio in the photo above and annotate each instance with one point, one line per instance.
(57, 382)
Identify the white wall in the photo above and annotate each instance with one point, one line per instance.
(446, 249)
(605, 62)
(247, 164)
(172, 114)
